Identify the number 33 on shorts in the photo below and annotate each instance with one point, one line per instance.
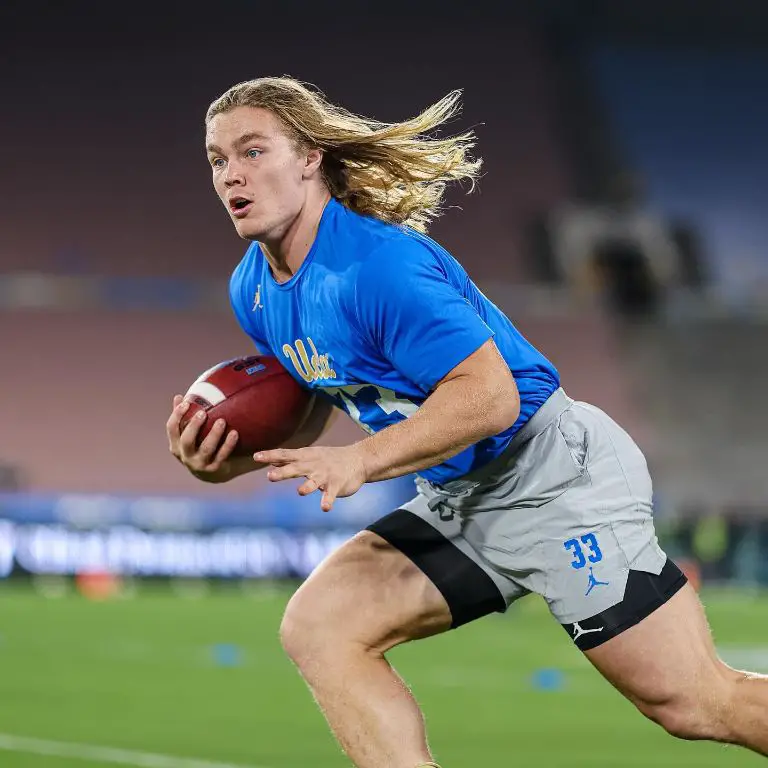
(577, 547)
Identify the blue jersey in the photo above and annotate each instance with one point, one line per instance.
(374, 318)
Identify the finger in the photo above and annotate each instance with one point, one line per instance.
(179, 409)
(177, 400)
(172, 425)
(329, 496)
(286, 472)
(210, 445)
(277, 457)
(310, 485)
(188, 439)
(225, 450)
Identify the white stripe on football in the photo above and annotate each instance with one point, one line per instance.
(209, 392)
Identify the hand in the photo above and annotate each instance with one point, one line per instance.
(210, 461)
(337, 472)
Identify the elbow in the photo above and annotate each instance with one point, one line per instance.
(503, 410)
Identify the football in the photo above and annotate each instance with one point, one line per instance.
(254, 395)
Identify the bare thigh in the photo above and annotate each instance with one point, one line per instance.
(667, 665)
(370, 593)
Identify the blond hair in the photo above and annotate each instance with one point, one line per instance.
(395, 172)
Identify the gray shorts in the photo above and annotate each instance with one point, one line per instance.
(565, 512)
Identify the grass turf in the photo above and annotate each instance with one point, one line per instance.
(141, 674)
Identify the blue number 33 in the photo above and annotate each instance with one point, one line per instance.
(574, 545)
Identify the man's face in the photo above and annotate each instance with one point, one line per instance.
(257, 172)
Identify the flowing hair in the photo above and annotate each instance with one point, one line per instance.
(395, 172)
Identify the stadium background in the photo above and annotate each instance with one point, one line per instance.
(620, 222)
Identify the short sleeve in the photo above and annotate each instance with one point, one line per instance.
(415, 314)
(239, 297)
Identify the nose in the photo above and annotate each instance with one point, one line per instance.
(234, 175)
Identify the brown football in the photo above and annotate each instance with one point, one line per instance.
(254, 395)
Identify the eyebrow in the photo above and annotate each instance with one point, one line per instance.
(244, 139)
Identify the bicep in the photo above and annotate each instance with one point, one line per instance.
(484, 381)
(485, 363)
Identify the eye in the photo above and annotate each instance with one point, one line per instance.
(253, 153)
(217, 162)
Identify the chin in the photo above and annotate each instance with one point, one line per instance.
(248, 230)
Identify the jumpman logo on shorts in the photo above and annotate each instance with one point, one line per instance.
(578, 631)
(594, 582)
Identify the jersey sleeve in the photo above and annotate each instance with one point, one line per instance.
(415, 316)
(241, 299)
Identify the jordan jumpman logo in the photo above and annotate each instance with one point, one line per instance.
(578, 631)
(594, 582)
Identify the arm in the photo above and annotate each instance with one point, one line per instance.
(319, 420)
(477, 399)
(214, 451)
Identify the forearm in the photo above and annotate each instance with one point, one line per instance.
(459, 413)
(318, 421)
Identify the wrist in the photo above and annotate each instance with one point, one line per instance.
(366, 455)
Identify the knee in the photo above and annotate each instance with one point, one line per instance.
(699, 712)
(366, 599)
(326, 617)
(303, 634)
(679, 717)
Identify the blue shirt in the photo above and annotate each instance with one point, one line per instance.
(374, 318)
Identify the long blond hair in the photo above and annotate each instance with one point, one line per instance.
(395, 172)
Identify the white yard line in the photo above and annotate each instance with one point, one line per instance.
(96, 754)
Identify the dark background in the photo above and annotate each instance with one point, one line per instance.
(103, 120)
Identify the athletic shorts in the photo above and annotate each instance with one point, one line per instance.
(565, 512)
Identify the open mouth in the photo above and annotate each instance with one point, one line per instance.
(239, 206)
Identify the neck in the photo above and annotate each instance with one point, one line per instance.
(286, 252)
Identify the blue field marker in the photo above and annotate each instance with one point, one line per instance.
(227, 655)
(548, 680)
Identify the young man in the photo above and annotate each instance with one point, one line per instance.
(520, 489)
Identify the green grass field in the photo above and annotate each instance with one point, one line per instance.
(139, 675)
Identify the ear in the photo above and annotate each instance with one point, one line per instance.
(312, 161)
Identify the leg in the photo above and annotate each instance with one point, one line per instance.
(627, 606)
(667, 666)
(365, 599)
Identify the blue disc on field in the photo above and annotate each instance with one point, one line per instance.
(227, 655)
(548, 680)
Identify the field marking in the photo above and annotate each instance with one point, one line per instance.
(753, 658)
(95, 753)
